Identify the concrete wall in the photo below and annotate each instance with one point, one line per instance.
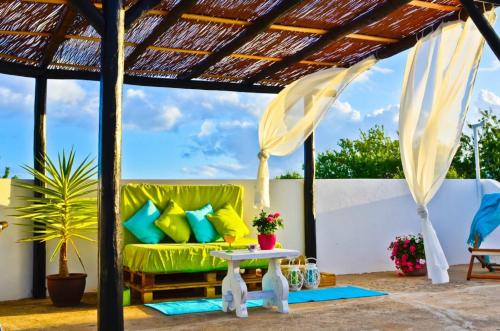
(356, 221)
(16, 258)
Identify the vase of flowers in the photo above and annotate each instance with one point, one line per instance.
(408, 255)
(266, 225)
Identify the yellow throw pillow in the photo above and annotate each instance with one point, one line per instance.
(227, 222)
(173, 222)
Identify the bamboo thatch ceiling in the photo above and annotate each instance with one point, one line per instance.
(264, 42)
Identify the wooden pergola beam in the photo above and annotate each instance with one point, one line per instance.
(259, 25)
(138, 10)
(58, 36)
(358, 23)
(18, 69)
(166, 23)
(483, 26)
(39, 150)
(110, 298)
(89, 11)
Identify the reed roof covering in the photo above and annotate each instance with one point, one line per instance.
(243, 42)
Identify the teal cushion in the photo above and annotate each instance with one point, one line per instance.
(142, 225)
(203, 230)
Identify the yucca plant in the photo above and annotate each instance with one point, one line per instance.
(64, 208)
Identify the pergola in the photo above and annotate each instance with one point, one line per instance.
(233, 45)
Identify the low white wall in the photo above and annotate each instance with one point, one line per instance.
(16, 258)
(356, 220)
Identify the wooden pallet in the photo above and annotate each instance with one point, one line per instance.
(149, 287)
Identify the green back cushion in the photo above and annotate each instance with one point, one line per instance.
(142, 226)
(173, 223)
(227, 222)
(188, 197)
(203, 230)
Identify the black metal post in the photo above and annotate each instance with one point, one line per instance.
(39, 149)
(110, 310)
(309, 211)
(483, 26)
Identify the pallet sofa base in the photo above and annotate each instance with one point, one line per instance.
(150, 287)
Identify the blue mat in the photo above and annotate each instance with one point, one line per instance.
(208, 305)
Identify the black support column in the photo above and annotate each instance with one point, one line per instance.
(110, 310)
(39, 149)
(483, 26)
(309, 211)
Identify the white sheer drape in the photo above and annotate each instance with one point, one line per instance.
(438, 80)
(294, 113)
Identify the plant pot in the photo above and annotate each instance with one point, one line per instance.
(66, 291)
(416, 273)
(267, 241)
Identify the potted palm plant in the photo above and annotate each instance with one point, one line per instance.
(62, 208)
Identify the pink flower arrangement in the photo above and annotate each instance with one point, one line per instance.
(267, 223)
(408, 253)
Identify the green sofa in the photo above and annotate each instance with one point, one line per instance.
(165, 258)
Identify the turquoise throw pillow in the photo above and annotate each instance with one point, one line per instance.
(142, 225)
(203, 230)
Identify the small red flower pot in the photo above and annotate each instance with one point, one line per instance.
(267, 241)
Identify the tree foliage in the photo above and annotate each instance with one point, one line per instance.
(375, 155)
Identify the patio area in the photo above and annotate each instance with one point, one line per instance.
(307, 52)
(412, 303)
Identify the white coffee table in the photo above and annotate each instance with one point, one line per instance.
(274, 285)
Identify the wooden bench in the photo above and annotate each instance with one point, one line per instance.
(480, 254)
(149, 287)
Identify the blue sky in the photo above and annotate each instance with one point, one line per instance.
(174, 133)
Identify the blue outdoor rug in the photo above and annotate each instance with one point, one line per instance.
(208, 305)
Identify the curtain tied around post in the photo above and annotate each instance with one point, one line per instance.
(439, 77)
(294, 113)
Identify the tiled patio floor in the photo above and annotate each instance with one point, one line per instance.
(413, 303)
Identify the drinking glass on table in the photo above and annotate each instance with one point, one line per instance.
(229, 239)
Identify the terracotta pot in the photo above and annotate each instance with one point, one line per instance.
(414, 273)
(267, 241)
(66, 291)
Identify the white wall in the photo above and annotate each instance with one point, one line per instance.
(16, 258)
(356, 220)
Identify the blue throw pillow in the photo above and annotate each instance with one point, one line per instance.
(142, 225)
(203, 230)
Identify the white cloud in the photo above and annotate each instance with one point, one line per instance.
(366, 75)
(236, 124)
(395, 119)
(169, 116)
(9, 97)
(381, 111)
(201, 172)
(489, 98)
(207, 128)
(135, 93)
(66, 92)
(346, 109)
(382, 70)
(494, 66)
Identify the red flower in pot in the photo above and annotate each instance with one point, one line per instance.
(408, 254)
(266, 225)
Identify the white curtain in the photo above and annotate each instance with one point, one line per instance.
(294, 113)
(438, 80)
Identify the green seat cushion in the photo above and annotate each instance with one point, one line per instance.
(228, 223)
(203, 230)
(142, 226)
(188, 257)
(173, 223)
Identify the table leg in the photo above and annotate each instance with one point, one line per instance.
(233, 283)
(275, 281)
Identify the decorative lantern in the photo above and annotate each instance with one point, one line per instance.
(294, 276)
(311, 273)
